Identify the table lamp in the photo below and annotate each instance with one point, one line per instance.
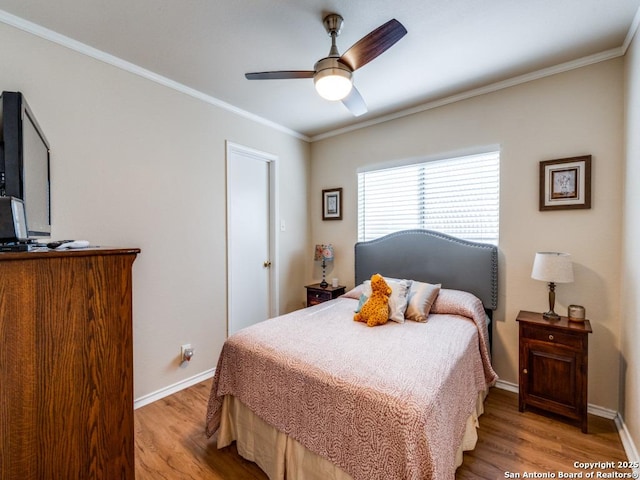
(552, 267)
(324, 253)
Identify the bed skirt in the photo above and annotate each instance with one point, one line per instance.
(283, 458)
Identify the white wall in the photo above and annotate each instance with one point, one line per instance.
(137, 164)
(630, 311)
(575, 113)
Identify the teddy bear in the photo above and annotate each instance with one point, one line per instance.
(375, 310)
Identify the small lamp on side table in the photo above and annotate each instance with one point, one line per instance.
(552, 267)
(324, 252)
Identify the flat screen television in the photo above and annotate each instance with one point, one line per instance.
(24, 162)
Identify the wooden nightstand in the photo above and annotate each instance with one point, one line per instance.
(316, 294)
(553, 365)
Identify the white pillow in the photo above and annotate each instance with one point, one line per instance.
(420, 299)
(355, 292)
(398, 299)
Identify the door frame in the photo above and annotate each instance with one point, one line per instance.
(272, 161)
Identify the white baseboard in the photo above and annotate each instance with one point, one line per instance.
(176, 387)
(592, 409)
(627, 442)
(602, 412)
(508, 386)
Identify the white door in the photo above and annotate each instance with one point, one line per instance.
(250, 236)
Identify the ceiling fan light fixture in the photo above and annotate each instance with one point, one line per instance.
(332, 79)
(333, 86)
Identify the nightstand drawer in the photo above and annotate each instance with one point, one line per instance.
(555, 337)
(317, 294)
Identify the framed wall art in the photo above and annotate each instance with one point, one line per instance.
(332, 204)
(565, 183)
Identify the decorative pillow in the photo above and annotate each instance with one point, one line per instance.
(361, 301)
(364, 292)
(397, 299)
(355, 292)
(420, 299)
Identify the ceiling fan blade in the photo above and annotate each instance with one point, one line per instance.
(355, 103)
(374, 44)
(280, 75)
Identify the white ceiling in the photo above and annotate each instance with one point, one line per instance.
(452, 46)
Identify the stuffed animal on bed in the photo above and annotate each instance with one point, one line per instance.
(375, 310)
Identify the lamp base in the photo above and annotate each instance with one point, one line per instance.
(323, 283)
(551, 316)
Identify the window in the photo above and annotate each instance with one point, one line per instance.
(457, 196)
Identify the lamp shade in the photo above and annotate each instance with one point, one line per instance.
(323, 252)
(553, 267)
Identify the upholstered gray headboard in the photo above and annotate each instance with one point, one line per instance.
(432, 257)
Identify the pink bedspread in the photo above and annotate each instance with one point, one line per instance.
(387, 402)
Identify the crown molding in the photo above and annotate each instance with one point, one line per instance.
(494, 87)
(62, 40)
(107, 58)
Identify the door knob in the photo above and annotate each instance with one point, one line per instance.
(266, 264)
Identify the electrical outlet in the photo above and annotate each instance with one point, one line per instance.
(186, 352)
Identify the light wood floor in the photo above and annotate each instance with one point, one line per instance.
(171, 444)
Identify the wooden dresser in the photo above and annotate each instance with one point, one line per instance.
(66, 365)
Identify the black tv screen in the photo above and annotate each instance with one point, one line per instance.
(24, 162)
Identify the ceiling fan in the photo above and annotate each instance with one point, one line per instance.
(333, 75)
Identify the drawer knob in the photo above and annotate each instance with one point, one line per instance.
(550, 337)
(525, 371)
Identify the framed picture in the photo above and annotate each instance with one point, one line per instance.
(332, 204)
(565, 183)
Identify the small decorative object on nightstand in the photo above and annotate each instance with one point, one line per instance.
(553, 365)
(316, 293)
(324, 253)
(552, 267)
(576, 313)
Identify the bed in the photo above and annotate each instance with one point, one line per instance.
(314, 395)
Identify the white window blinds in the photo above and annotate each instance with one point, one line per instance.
(457, 196)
